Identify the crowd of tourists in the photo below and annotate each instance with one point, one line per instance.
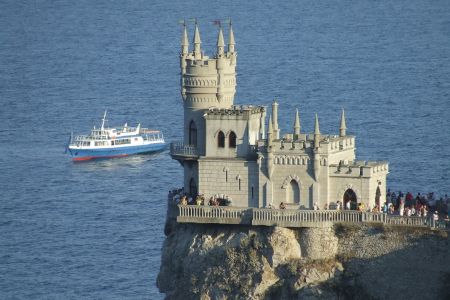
(421, 205)
(180, 197)
(403, 204)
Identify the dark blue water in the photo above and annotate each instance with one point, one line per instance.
(95, 230)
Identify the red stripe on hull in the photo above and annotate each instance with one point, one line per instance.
(94, 157)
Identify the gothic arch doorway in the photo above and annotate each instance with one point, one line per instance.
(293, 192)
(350, 197)
(193, 188)
(192, 134)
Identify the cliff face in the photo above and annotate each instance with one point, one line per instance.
(240, 262)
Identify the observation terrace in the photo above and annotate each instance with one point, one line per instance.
(292, 217)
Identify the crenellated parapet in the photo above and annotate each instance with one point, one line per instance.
(235, 112)
(359, 168)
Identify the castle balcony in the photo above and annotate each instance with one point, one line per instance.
(293, 217)
(182, 152)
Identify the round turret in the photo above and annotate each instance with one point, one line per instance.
(208, 82)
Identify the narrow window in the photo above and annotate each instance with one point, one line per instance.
(252, 193)
(232, 140)
(192, 134)
(221, 140)
(239, 184)
(226, 176)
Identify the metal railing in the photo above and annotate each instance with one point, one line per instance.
(180, 149)
(289, 217)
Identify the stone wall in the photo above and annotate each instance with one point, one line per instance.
(233, 177)
(344, 262)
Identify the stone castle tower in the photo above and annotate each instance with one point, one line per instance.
(227, 153)
(205, 82)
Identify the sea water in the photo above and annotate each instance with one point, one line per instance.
(95, 229)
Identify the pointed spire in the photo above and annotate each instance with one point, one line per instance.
(197, 42)
(220, 43)
(296, 125)
(231, 41)
(316, 126)
(185, 41)
(316, 133)
(343, 127)
(261, 126)
(270, 132)
(197, 39)
(276, 130)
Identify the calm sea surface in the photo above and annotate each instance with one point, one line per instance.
(95, 230)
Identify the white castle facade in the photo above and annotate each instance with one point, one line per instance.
(228, 151)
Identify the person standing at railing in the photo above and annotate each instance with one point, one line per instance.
(435, 219)
(401, 208)
(282, 205)
(391, 209)
(315, 207)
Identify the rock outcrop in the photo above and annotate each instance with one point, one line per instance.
(344, 262)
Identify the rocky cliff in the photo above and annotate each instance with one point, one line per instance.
(343, 262)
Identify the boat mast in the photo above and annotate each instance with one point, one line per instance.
(103, 120)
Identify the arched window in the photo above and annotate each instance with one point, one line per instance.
(232, 140)
(221, 140)
(293, 192)
(192, 133)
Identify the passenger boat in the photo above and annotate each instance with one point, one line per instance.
(115, 142)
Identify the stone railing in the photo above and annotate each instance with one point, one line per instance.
(289, 217)
(214, 214)
(180, 150)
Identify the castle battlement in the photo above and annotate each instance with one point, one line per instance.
(243, 111)
(232, 149)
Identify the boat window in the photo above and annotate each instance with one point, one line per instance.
(123, 141)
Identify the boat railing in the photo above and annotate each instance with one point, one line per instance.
(153, 135)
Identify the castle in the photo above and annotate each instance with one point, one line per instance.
(227, 151)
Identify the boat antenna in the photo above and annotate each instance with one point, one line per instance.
(103, 120)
